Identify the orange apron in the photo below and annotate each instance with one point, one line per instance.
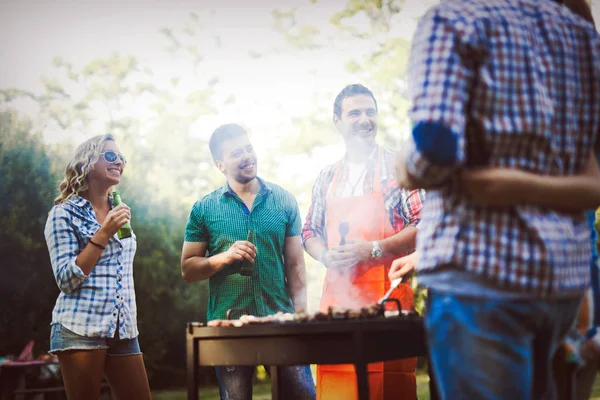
(361, 286)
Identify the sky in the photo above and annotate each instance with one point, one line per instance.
(267, 90)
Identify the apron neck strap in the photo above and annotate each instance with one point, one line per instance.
(376, 176)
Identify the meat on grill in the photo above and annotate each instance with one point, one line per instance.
(332, 314)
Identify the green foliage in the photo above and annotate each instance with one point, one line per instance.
(364, 24)
(27, 188)
(165, 302)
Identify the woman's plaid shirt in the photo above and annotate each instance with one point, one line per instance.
(518, 84)
(90, 305)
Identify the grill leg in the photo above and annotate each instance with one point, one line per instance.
(363, 381)
(361, 367)
(192, 366)
(275, 383)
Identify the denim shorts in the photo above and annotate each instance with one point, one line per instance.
(62, 339)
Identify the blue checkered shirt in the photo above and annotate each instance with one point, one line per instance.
(90, 305)
(517, 84)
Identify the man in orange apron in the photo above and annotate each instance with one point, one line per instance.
(359, 221)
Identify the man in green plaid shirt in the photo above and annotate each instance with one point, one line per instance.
(216, 248)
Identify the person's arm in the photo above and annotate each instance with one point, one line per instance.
(295, 271)
(293, 256)
(315, 247)
(115, 219)
(71, 265)
(410, 205)
(401, 243)
(403, 266)
(195, 265)
(357, 251)
(313, 233)
(507, 186)
(406, 203)
(441, 73)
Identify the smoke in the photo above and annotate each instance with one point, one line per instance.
(341, 289)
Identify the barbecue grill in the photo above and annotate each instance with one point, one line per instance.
(357, 342)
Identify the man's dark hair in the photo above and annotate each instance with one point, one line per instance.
(222, 134)
(349, 91)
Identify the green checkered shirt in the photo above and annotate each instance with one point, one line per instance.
(220, 219)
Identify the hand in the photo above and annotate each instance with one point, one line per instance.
(240, 250)
(403, 266)
(349, 255)
(115, 219)
(338, 259)
(495, 186)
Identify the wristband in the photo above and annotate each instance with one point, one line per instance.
(97, 244)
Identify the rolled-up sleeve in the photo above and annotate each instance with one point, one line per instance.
(412, 204)
(314, 226)
(441, 72)
(63, 247)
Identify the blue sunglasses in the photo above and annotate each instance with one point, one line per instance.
(111, 157)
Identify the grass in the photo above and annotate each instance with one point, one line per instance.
(262, 391)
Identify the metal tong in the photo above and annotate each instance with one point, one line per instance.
(395, 283)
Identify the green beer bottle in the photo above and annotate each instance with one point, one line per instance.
(247, 266)
(125, 230)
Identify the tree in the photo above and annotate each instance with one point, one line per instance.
(28, 187)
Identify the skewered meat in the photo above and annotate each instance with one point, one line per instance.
(332, 314)
(337, 312)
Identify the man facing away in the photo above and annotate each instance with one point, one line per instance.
(261, 278)
(359, 221)
(500, 84)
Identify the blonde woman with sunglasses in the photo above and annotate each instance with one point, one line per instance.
(94, 330)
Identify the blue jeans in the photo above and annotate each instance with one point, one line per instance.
(484, 348)
(235, 383)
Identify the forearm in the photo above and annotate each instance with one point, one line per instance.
(401, 243)
(420, 167)
(315, 247)
(89, 256)
(296, 279)
(566, 194)
(70, 264)
(196, 268)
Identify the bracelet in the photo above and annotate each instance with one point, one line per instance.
(97, 244)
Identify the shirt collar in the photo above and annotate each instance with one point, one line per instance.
(264, 187)
(79, 201)
(372, 157)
